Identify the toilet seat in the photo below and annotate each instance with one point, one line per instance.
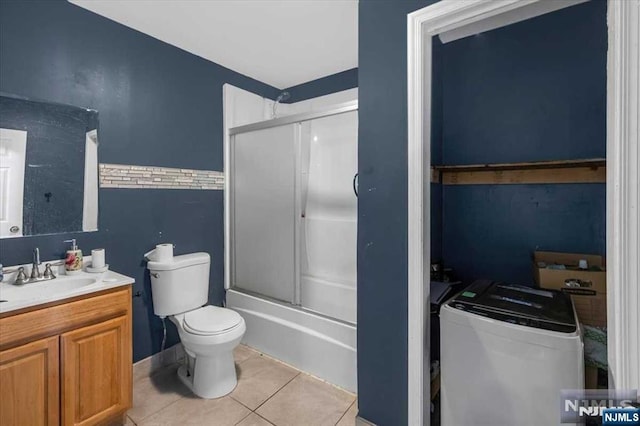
(210, 321)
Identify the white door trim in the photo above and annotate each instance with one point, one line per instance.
(90, 200)
(623, 194)
(623, 183)
(13, 149)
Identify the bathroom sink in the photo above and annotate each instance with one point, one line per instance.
(10, 293)
(63, 287)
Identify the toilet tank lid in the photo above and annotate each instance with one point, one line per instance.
(178, 262)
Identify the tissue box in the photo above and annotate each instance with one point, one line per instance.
(590, 302)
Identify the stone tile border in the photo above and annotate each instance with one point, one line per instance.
(150, 177)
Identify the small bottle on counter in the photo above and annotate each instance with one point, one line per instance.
(73, 260)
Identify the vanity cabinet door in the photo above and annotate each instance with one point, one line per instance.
(96, 372)
(30, 384)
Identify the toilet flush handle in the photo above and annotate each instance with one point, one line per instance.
(154, 274)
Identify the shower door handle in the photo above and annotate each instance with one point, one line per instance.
(355, 184)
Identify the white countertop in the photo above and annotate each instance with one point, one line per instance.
(13, 297)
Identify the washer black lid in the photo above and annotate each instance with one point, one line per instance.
(533, 307)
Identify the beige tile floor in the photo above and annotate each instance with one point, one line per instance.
(268, 393)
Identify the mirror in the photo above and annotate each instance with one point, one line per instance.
(48, 168)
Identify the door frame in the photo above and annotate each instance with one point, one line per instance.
(623, 178)
(16, 139)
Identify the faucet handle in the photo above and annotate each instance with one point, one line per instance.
(21, 278)
(48, 273)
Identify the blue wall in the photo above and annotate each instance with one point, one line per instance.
(382, 212)
(158, 105)
(527, 92)
(323, 86)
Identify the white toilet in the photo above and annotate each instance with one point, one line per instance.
(180, 290)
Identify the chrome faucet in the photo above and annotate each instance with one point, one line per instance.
(35, 267)
(22, 278)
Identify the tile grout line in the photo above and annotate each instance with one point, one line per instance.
(265, 419)
(262, 403)
(307, 374)
(261, 354)
(265, 356)
(276, 392)
(239, 402)
(165, 368)
(157, 411)
(345, 413)
(248, 414)
(252, 412)
(254, 354)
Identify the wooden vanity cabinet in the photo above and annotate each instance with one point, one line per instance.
(68, 363)
(29, 384)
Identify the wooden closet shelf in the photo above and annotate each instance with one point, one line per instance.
(564, 171)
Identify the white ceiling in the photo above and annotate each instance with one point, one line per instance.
(279, 42)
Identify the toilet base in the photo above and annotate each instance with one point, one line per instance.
(211, 377)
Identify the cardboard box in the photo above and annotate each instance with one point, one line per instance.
(590, 301)
(555, 278)
(592, 310)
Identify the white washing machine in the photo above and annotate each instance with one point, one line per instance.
(506, 353)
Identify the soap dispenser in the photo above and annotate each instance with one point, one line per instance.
(73, 260)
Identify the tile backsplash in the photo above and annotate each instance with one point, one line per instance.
(150, 177)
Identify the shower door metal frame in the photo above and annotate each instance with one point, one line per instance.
(295, 118)
(229, 207)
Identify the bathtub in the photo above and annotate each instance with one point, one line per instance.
(313, 343)
(329, 297)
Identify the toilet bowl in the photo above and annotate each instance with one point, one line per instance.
(209, 336)
(208, 333)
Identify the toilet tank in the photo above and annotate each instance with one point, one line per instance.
(181, 284)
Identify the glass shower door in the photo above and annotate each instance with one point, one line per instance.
(264, 212)
(329, 163)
